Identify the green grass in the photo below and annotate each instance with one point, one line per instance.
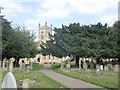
(45, 81)
(37, 66)
(108, 79)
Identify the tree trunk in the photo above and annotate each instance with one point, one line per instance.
(77, 61)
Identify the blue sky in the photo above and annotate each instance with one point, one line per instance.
(58, 12)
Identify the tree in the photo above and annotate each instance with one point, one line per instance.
(81, 41)
(17, 42)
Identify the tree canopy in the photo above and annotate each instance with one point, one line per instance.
(96, 41)
(17, 42)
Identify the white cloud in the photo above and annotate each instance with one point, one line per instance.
(109, 18)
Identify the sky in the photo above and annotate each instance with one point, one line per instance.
(58, 12)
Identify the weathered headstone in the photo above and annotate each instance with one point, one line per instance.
(80, 64)
(91, 65)
(97, 73)
(97, 67)
(109, 67)
(3, 64)
(62, 65)
(26, 83)
(106, 68)
(84, 65)
(68, 66)
(101, 67)
(0, 74)
(21, 64)
(31, 65)
(9, 81)
(116, 68)
(10, 66)
(0, 63)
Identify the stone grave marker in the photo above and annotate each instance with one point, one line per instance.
(31, 65)
(26, 83)
(0, 63)
(68, 66)
(101, 67)
(106, 68)
(91, 65)
(97, 67)
(21, 64)
(7, 65)
(3, 64)
(80, 64)
(9, 81)
(10, 66)
(84, 65)
(62, 65)
(110, 67)
(116, 68)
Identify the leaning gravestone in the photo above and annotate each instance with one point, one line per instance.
(9, 81)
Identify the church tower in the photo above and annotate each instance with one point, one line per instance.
(43, 33)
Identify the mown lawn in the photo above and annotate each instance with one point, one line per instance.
(109, 79)
(42, 79)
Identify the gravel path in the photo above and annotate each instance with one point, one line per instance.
(67, 81)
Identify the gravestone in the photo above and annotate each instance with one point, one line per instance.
(106, 68)
(26, 83)
(97, 73)
(62, 65)
(31, 65)
(0, 63)
(91, 65)
(3, 64)
(68, 66)
(84, 65)
(110, 67)
(10, 66)
(21, 64)
(116, 68)
(9, 81)
(97, 67)
(101, 67)
(80, 64)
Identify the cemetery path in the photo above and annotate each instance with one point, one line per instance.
(66, 80)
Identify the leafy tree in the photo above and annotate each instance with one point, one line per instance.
(17, 42)
(81, 41)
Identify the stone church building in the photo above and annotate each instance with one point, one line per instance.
(43, 36)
